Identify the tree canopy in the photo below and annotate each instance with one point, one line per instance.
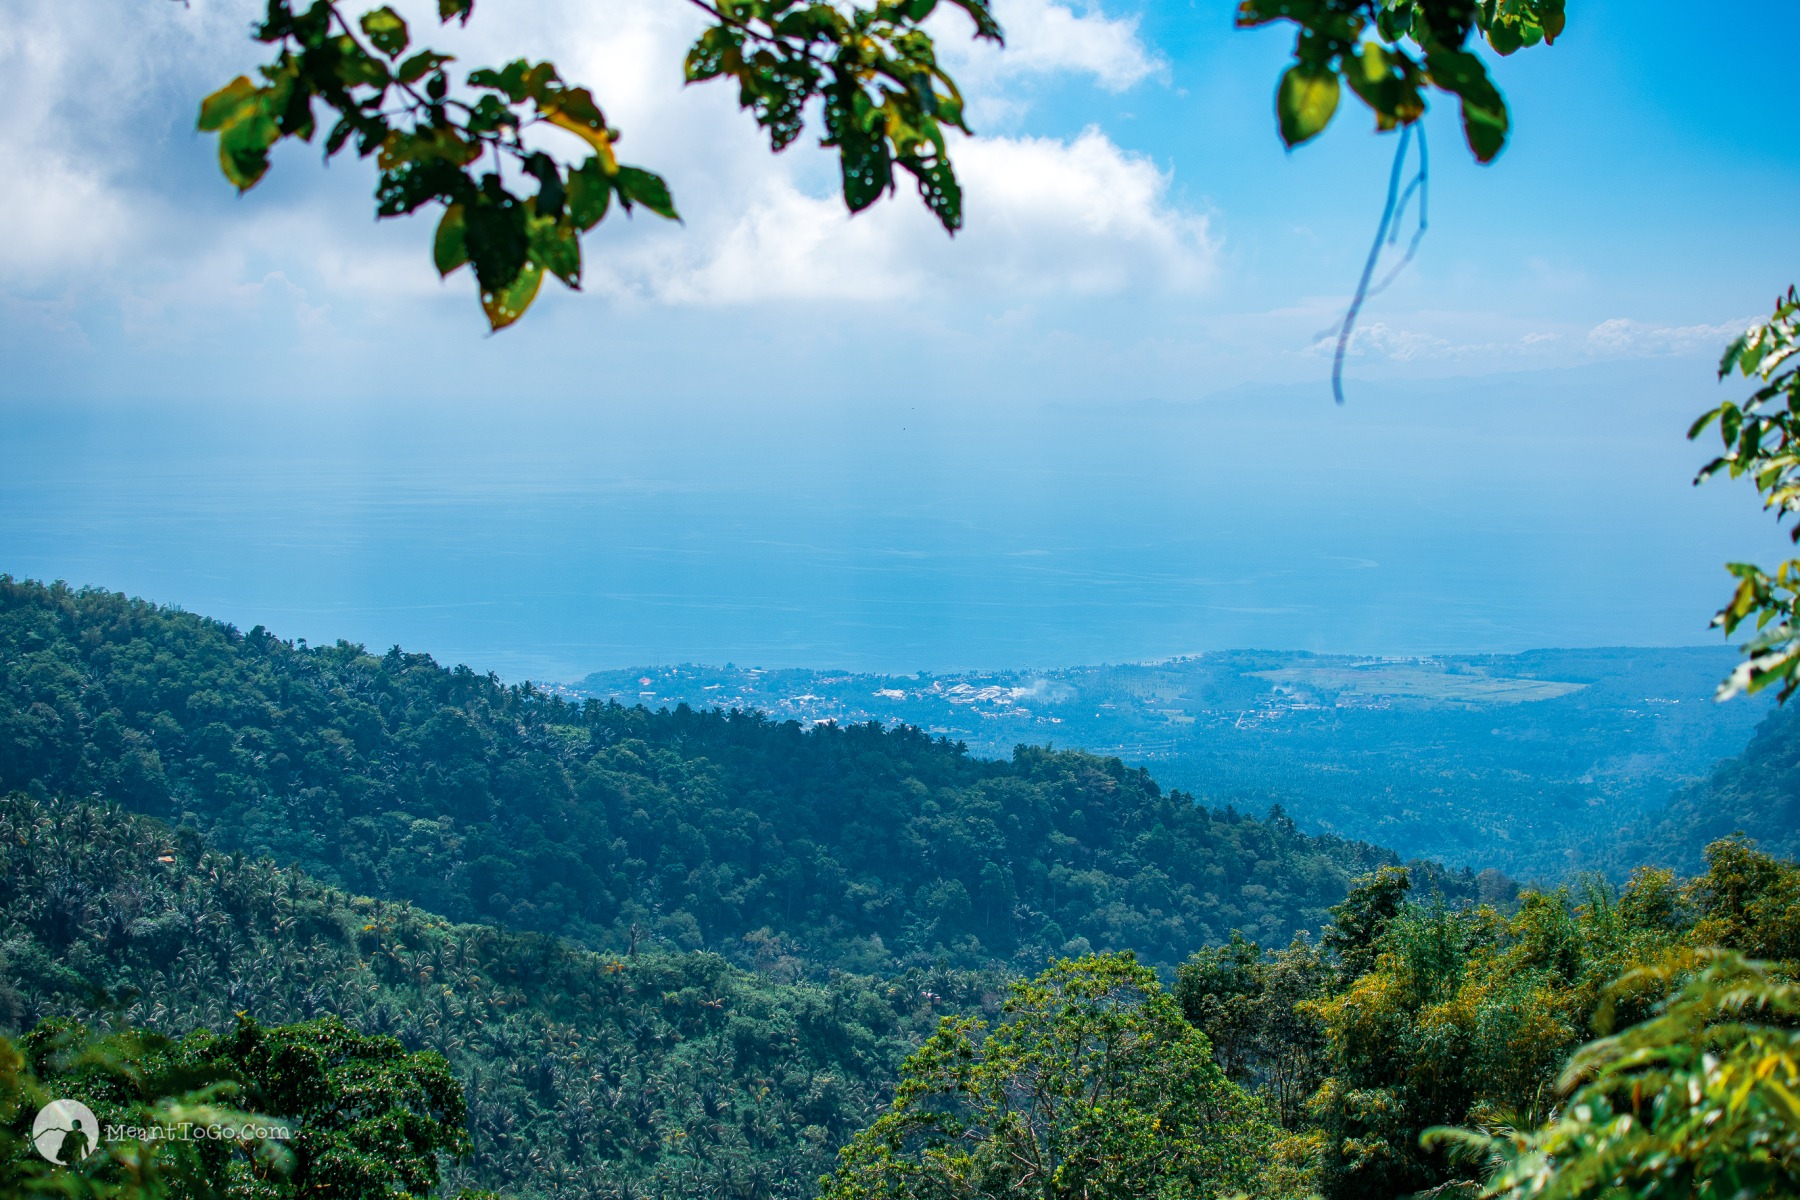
(1542, 1028)
(854, 847)
(1091, 1085)
(655, 1075)
(1698, 1100)
(313, 1109)
(1319, 1066)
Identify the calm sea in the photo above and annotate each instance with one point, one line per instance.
(552, 539)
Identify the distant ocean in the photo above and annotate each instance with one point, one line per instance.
(554, 539)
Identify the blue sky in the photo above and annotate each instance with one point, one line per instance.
(1093, 426)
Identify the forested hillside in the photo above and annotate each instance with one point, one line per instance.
(857, 847)
(1757, 794)
(658, 1075)
(1528, 763)
(1412, 1014)
(585, 1075)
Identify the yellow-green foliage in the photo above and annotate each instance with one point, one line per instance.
(1748, 901)
(1699, 1100)
(1701, 1095)
(1092, 1085)
(1467, 1017)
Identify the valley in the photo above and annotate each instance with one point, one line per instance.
(693, 949)
(1522, 762)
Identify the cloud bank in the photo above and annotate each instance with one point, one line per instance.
(100, 104)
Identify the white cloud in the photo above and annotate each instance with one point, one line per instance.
(1044, 38)
(1380, 340)
(1622, 336)
(1495, 341)
(61, 212)
(59, 216)
(785, 245)
(98, 211)
(1078, 215)
(1043, 216)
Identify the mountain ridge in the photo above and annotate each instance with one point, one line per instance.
(861, 846)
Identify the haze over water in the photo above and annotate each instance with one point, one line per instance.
(1094, 426)
(553, 539)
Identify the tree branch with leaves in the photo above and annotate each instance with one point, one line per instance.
(1761, 437)
(1391, 53)
(512, 211)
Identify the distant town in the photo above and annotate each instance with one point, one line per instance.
(1327, 737)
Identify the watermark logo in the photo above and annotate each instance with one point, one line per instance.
(65, 1132)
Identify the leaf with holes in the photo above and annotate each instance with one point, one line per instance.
(590, 192)
(556, 247)
(387, 30)
(509, 303)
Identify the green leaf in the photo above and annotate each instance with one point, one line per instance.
(340, 133)
(1506, 38)
(576, 103)
(590, 192)
(1731, 419)
(641, 187)
(356, 67)
(227, 104)
(244, 148)
(410, 186)
(455, 9)
(295, 115)
(497, 242)
(510, 80)
(448, 248)
(1252, 13)
(1394, 23)
(867, 169)
(386, 29)
(1483, 109)
(1699, 426)
(427, 144)
(1387, 80)
(986, 27)
(509, 303)
(1732, 354)
(1485, 129)
(420, 64)
(939, 189)
(1555, 20)
(552, 193)
(555, 247)
(1306, 102)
